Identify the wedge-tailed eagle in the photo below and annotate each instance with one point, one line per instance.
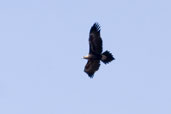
(95, 52)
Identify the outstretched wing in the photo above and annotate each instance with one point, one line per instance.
(91, 67)
(95, 40)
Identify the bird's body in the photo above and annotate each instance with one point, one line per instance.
(95, 51)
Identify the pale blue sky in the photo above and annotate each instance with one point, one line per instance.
(41, 47)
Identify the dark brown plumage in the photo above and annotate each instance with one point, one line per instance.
(95, 51)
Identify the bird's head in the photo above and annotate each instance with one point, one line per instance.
(86, 57)
(89, 56)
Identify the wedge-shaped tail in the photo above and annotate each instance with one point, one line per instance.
(107, 57)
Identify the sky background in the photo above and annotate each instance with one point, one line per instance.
(42, 43)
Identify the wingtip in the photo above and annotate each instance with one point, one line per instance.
(95, 27)
(96, 24)
(91, 76)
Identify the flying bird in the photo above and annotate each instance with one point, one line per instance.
(95, 52)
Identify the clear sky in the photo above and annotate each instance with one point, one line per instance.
(42, 43)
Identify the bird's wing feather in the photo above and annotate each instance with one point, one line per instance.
(95, 40)
(91, 67)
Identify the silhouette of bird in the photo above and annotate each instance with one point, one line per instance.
(95, 52)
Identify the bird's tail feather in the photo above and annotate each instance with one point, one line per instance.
(107, 57)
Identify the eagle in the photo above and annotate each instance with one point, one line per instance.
(95, 52)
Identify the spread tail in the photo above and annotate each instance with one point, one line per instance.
(107, 57)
